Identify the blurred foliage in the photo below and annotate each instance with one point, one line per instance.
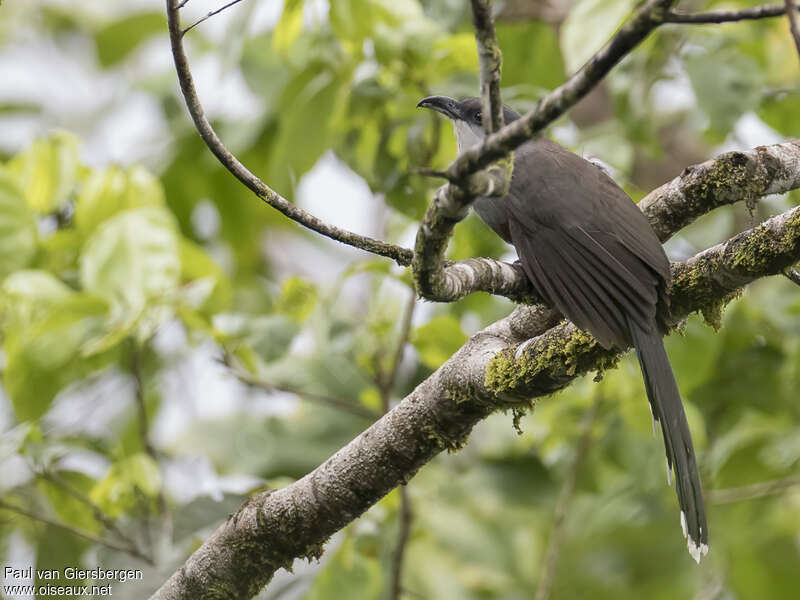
(114, 278)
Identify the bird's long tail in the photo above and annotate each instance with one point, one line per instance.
(665, 402)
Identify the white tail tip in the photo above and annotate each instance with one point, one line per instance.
(697, 551)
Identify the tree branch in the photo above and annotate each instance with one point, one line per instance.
(208, 16)
(406, 515)
(490, 60)
(439, 282)
(750, 492)
(729, 178)
(272, 529)
(726, 16)
(401, 256)
(74, 531)
(99, 515)
(550, 561)
(338, 403)
(791, 14)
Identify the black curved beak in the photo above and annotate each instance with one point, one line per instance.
(449, 107)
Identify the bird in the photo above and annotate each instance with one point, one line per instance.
(590, 253)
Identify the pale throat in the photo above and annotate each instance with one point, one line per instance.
(466, 136)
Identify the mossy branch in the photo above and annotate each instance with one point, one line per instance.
(272, 529)
(703, 283)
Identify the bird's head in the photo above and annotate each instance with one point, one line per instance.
(466, 117)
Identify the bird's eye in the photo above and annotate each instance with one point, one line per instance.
(478, 118)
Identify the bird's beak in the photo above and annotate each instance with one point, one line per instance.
(449, 107)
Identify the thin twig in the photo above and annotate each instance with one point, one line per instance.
(405, 519)
(208, 16)
(750, 492)
(4, 505)
(428, 172)
(99, 515)
(400, 255)
(490, 60)
(253, 381)
(165, 529)
(405, 331)
(791, 14)
(550, 562)
(793, 275)
(711, 17)
(182, 4)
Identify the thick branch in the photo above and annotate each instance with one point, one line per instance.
(729, 178)
(270, 530)
(703, 283)
(401, 256)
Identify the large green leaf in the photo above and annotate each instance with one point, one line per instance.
(348, 574)
(132, 259)
(28, 294)
(727, 84)
(17, 227)
(438, 339)
(117, 40)
(588, 27)
(113, 190)
(126, 483)
(309, 105)
(47, 171)
(206, 286)
(45, 356)
(531, 54)
(289, 26)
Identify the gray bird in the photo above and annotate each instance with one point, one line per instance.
(590, 253)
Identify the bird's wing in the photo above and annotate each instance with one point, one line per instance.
(584, 244)
(592, 279)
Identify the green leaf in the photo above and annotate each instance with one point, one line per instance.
(125, 483)
(348, 574)
(301, 140)
(524, 47)
(269, 336)
(438, 339)
(454, 53)
(108, 192)
(289, 27)
(298, 298)
(70, 509)
(28, 293)
(17, 227)
(118, 39)
(727, 85)
(588, 27)
(206, 287)
(46, 356)
(781, 111)
(47, 171)
(132, 260)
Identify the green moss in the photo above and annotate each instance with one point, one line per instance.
(444, 442)
(570, 355)
(517, 414)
